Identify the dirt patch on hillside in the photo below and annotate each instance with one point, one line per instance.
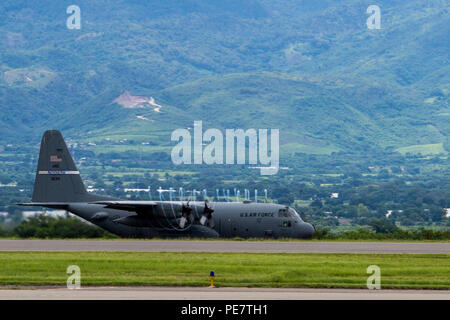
(128, 101)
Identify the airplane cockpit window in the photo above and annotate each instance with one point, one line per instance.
(293, 213)
(283, 213)
(288, 213)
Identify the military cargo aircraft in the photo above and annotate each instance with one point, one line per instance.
(58, 185)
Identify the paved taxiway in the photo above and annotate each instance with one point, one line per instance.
(196, 293)
(224, 246)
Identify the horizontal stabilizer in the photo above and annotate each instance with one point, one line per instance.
(55, 205)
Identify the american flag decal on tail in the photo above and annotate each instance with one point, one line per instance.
(55, 159)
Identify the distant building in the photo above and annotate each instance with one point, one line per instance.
(136, 190)
(11, 184)
(447, 212)
(90, 189)
(334, 195)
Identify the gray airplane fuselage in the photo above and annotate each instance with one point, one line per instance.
(231, 219)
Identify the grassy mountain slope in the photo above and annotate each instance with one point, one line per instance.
(313, 70)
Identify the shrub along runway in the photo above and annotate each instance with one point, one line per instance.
(225, 246)
(313, 270)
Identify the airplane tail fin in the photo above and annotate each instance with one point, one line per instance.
(57, 177)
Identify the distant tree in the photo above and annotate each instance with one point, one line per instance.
(118, 184)
(396, 170)
(5, 179)
(384, 174)
(362, 210)
(383, 226)
(286, 200)
(16, 216)
(316, 203)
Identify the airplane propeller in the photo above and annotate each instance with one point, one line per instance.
(186, 215)
(207, 216)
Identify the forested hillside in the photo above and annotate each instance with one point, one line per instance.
(312, 69)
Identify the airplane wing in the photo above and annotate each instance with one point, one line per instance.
(127, 205)
(143, 211)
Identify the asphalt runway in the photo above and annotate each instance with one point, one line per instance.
(223, 246)
(198, 293)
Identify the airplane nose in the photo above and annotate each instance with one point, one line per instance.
(311, 230)
(306, 230)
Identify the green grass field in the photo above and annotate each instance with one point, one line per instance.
(291, 148)
(429, 271)
(127, 147)
(436, 148)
